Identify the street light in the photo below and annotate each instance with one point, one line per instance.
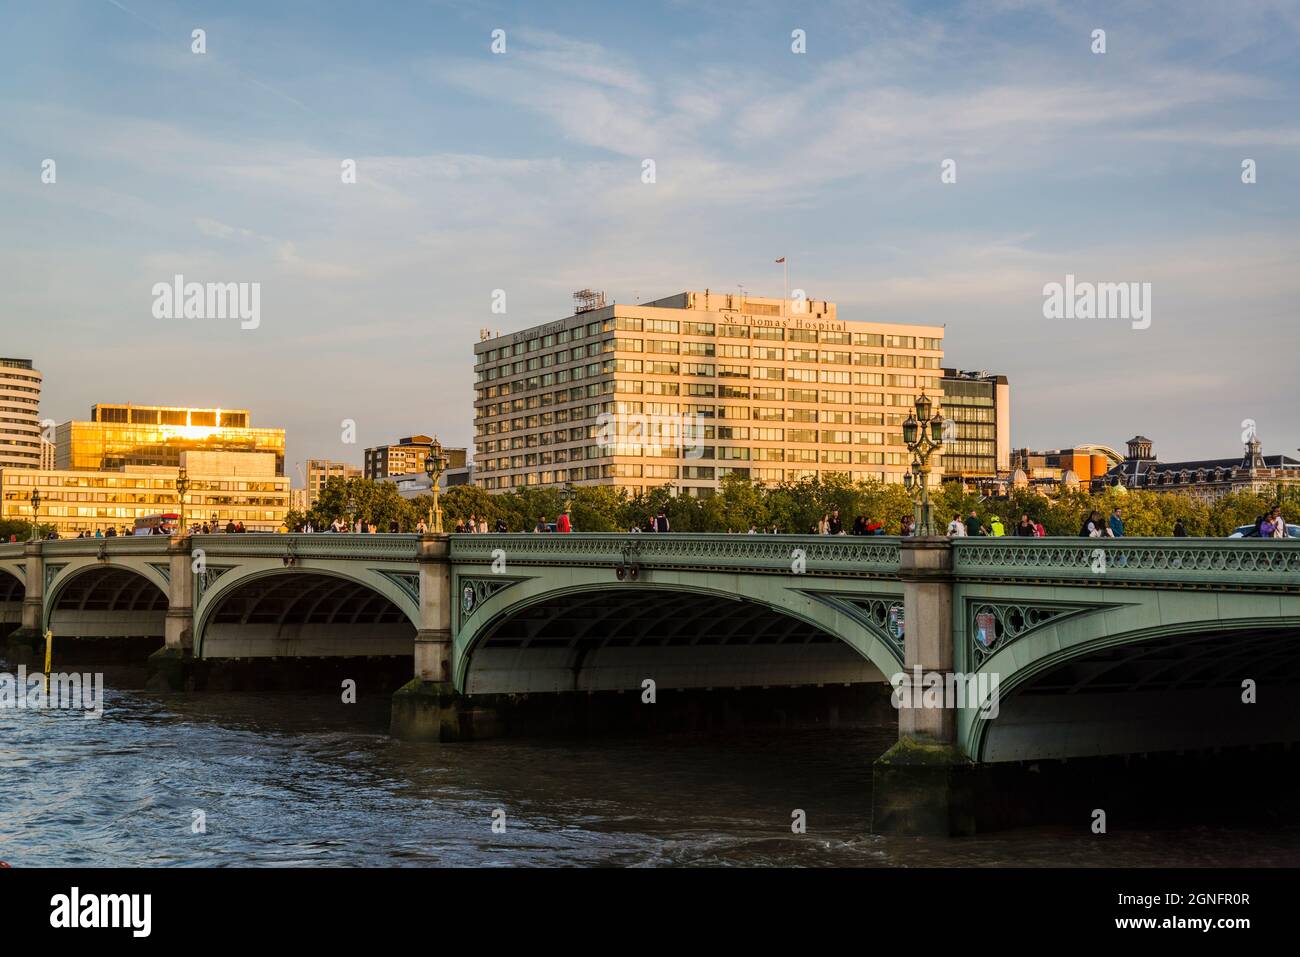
(434, 464)
(182, 489)
(923, 435)
(214, 523)
(36, 504)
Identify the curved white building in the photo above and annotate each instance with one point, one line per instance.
(20, 418)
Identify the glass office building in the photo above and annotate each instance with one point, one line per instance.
(129, 436)
(978, 440)
(688, 389)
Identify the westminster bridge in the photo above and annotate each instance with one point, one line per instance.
(1063, 647)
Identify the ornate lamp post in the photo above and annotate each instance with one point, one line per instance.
(923, 435)
(434, 464)
(213, 526)
(352, 514)
(182, 489)
(36, 505)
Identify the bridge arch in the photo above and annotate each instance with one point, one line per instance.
(98, 599)
(12, 592)
(590, 633)
(297, 611)
(1155, 674)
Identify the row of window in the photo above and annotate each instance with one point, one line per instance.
(723, 330)
(637, 387)
(895, 360)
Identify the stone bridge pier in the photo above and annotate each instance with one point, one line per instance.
(24, 645)
(922, 783)
(428, 707)
(171, 665)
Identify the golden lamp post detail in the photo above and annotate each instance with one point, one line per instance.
(923, 435)
(182, 489)
(36, 509)
(434, 465)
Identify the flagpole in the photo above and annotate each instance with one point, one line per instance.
(785, 271)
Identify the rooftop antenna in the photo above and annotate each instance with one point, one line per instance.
(585, 300)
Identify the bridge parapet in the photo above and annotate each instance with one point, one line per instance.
(1131, 562)
(388, 547)
(775, 554)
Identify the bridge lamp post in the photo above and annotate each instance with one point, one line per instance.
(36, 505)
(434, 464)
(923, 435)
(182, 489)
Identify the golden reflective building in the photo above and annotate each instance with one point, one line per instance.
(238, 487)
(121, 437)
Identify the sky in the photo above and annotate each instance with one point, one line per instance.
(522, 171)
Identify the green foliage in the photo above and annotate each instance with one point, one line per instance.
(789, 507)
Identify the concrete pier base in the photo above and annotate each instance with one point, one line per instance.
(923, 789)
(433, 711)
(170, 669)
(24, 646)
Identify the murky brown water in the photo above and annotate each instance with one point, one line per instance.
(296, 780)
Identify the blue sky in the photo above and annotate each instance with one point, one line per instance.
(522, 171)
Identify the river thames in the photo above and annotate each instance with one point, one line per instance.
(302, 780)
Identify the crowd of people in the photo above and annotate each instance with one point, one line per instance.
(1270, 524)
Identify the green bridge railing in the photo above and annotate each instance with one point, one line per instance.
(1131, 562)
(845, 555)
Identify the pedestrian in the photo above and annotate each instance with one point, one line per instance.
(1092, 526)
(836, 524)
(956, 528)
(394, 527)
(824, 524)
(859, 526)
(661, 521)
(562, 523)
(1279, 523)
(906, 526)
(501, 526)
(997, 528)
(1180, 529)
(1025, 528)
(541, 524)
(973, 524)
(1116, 524)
